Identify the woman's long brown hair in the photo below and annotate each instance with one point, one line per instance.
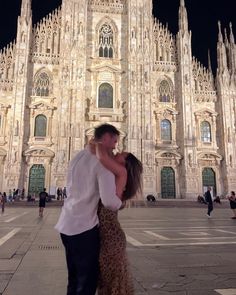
(134, 170)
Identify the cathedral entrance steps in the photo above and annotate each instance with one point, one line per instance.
(173, 203)
(23, 203)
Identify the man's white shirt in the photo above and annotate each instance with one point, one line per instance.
(87, 182)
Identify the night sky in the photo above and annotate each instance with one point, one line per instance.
(203, 16)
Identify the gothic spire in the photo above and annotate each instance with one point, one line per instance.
(231, 33)
(26, 9)
(226, 39)
(221, 52)
(183, 17)
(220, 38)
(209, 61)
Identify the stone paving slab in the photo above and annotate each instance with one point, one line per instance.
(38, 265)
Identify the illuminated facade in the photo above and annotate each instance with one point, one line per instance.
(94, 61)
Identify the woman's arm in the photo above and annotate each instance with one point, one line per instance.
(116, 168)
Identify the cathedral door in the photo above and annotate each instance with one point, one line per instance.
(36, 179)
(167, 183)
(209, 179)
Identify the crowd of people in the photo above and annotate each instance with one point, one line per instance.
(14, 195)
(208, 199)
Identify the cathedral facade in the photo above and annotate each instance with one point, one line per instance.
(109, 61)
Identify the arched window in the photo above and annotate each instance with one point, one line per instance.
(166, 130)
(41, 85)
(106, 41)
(165, 91)
(105, 96)
(40, 128)
(205, 131)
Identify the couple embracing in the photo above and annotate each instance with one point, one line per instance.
(98, 183)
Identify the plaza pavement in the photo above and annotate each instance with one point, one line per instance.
(172, 250)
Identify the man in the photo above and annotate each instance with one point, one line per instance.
(87, 182)
(42, 201)
(64, 193)
(208, 199)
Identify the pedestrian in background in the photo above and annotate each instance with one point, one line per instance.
(232, 202)
(42, 201)
(64, 193)
(59, 193)
(10, 198)
(4, 196)
(1, 202)
(208, 198)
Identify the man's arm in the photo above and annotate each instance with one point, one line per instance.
(116, 168)
(107, 190)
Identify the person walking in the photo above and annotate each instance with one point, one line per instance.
(232, 202)
(59, 193)
(3, 198)
(88, 181)
(64, 193)
(1, 202)
(42, 201)
(209, 201)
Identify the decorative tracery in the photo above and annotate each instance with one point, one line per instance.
(7, 67)
(106, 41)
(108, 6)
(164, 44)
(46, 39)
(42, 85)
(165, 92)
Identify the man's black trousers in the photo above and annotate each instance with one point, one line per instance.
(82, 253)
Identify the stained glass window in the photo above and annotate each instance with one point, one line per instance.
(40, 126)
(205, 131)
(166, 130)
(165, 91)
(105, 97)
(106, 41)
(41, 85)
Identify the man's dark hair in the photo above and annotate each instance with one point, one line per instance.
(105, 128)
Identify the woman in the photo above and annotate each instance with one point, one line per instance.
(232, 202)
(115, 278)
